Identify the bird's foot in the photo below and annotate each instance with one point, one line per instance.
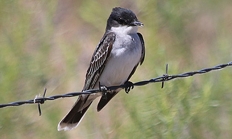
(128, 86)
(104, 90)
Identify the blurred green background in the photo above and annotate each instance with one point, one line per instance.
(50, 43)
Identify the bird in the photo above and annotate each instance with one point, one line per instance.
(113, 62)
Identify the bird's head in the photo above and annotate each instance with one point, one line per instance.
(123, 20)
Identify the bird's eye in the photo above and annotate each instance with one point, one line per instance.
(121, 21)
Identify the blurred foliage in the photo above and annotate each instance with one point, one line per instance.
(50, 43)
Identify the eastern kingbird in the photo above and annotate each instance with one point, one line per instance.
(114, 61)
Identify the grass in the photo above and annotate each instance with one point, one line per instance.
(49, 44)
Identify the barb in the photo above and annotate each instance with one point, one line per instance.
(164, 78)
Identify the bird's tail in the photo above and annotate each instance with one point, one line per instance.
(75, 115)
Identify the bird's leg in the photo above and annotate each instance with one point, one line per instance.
(128, 86)
(103, 89)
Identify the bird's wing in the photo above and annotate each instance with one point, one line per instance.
(143, 48)
(98, 60)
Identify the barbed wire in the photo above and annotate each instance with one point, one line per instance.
(40, 100)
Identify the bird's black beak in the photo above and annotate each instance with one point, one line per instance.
(137, 23)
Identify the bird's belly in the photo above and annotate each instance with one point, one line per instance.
(119, 66)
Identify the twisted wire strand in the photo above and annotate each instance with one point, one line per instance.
(164, 78)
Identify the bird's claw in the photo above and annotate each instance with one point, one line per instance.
(103, 89)
(128, 86)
